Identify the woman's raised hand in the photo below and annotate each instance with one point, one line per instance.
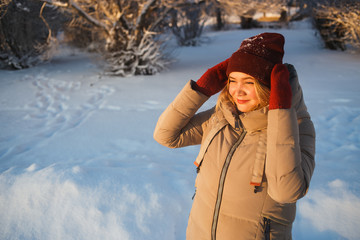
(280, 93)
(213, 80)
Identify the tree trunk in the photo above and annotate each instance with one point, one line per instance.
(219, 19)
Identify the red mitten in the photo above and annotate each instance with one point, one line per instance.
(213, 80)
(280, 93)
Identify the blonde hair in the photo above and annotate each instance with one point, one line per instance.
(262, 92)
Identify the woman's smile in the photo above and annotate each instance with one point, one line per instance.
(239, 101)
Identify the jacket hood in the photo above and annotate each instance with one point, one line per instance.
(297, 101)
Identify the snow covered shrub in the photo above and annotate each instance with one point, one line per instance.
(124, 31)
(145, 58)
(187, 25)
(25, 35)
(339, 24)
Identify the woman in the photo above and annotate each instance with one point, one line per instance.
(257, 144)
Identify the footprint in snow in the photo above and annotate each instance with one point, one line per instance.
(52, 110)
(149, 105)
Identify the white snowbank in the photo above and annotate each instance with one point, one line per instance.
(333, 208)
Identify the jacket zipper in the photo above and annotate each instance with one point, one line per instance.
(221, 184)
(267, 228)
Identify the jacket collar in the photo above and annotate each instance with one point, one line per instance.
(250, 121)
(255, 120)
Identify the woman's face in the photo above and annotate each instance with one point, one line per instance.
(242, 90)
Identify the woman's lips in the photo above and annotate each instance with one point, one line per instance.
(242, 101)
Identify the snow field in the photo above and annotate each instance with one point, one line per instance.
(78, 161)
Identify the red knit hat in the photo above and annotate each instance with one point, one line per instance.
(257, 56)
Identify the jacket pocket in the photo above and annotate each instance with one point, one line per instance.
(267, 228)
(276, 231)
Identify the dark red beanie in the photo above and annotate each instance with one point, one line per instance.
(257, 56)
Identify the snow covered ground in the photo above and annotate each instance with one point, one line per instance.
(78, 161)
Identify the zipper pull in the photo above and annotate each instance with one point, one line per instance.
(194, 195)
(237, 124)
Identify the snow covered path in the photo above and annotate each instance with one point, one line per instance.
(78, 161)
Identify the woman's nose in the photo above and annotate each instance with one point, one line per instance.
(240, 89)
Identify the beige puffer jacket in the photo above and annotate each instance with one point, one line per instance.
(273, 149)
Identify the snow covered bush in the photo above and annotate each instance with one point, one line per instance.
(146, 58)
(339, 24)
(25, 35)
(126, 31)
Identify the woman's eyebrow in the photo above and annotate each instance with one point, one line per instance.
(245, 78)
(249, 77)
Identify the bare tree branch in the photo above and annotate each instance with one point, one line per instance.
(46, 24)
(81, 12)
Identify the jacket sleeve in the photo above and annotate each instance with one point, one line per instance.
(178, 126)
(290, 149)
